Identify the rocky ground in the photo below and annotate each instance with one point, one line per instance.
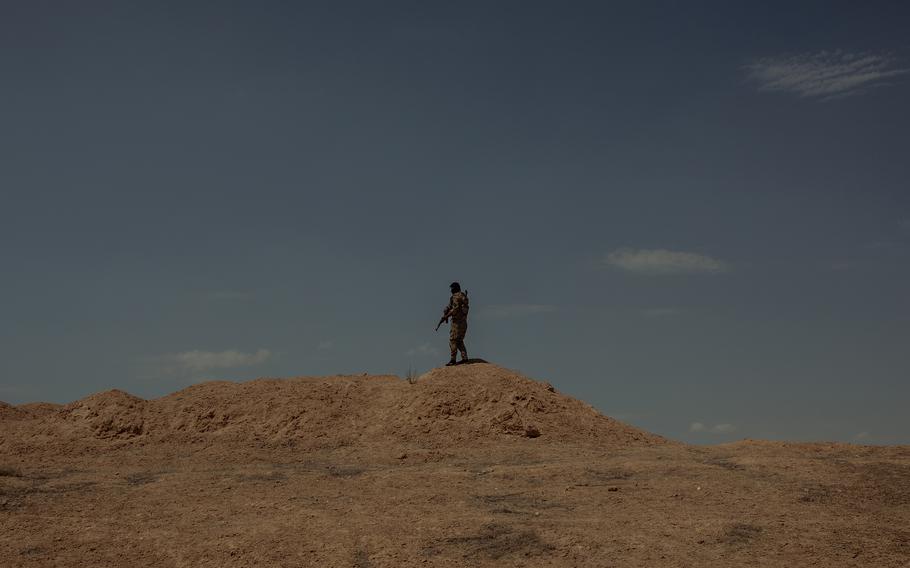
(468, 466)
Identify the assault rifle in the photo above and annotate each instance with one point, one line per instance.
(445, 314)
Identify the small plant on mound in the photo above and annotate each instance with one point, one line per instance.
(411, 377)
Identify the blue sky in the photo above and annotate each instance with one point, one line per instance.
(694, 216)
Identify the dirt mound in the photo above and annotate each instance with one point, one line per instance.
(312, 412)
(109, 414)
(468, 466)
(38, 409)
(10, 412)
(468, 404)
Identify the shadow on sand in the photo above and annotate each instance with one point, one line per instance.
(471, 361)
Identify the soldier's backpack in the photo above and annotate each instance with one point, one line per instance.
(463, 308)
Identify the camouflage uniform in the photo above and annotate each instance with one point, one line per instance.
(458, 311)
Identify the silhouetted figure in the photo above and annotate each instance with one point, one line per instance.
(457, 310)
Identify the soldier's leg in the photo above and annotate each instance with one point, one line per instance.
(453, 341)
(462, 331)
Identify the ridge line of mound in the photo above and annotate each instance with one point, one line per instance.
(468, 404)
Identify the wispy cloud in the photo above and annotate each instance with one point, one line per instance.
(325, 345)
(196, 361)
(662, 261)
(824, 75)
(841, 265)
(425, 349)
(515, 310)
(716, 429)
(227, 295)
(661, 312)
(861, 436)
(12, 390)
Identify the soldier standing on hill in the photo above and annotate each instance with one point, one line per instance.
(458, 311)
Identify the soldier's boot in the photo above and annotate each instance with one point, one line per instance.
(464, 356)
(451, 362)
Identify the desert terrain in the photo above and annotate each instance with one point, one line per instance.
(472, 465)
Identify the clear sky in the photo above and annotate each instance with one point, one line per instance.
(693, 215)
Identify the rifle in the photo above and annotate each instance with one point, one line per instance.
(445, 314)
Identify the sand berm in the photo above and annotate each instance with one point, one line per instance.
(466, 404)
(472, 465)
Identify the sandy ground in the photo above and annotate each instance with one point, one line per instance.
(469, 466)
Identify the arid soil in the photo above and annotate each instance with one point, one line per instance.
(472, 465)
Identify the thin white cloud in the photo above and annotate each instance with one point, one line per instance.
(325, 345)
(880, 245)
(841, 265)
(661, 312)
(227, 295)
(716, 429)
(197, 361)
(824, 75)
(12, 390)
(861, 436)
(425, 349)
(515, 310)
(662, 261)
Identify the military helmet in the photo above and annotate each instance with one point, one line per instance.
(455, 286)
